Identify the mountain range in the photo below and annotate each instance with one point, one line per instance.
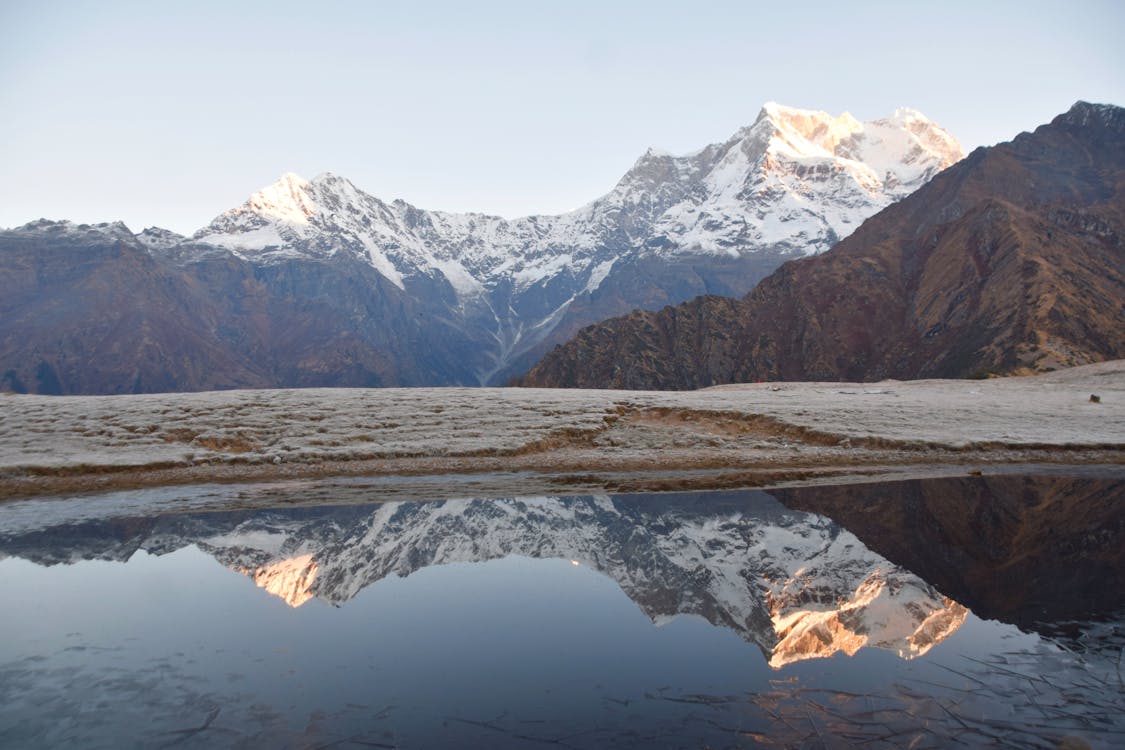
(317, 283)
(1011, 261)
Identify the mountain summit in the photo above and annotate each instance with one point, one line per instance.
(315, 282)
(791, 184)
(1011, 261)
(797, 178)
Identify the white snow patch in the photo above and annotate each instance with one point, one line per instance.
(258, 238)
(541, 269)
(598, 275)
(382, 263)
(463, 282)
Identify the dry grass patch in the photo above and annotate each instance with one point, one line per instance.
(226, 444)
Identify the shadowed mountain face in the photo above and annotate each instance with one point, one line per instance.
(315, 282)
(1012, 261)
(1031, 551)
(98, 313)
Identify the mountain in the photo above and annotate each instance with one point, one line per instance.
(1011, 261)
(794, 584)
(95, 309)
(314, 282)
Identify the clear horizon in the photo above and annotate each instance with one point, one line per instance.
(169, 116)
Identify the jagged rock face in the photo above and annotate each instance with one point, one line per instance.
(793, 583)
(316, 282)
(1012, 261)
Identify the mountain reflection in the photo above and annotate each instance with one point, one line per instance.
(1034, 551)
(291, 580)
(793, 583)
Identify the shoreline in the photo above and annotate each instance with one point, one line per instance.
(577, 472)
(544, 441)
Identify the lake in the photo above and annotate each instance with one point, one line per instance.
(976, 611)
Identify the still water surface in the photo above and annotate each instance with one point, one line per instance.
(958, 612)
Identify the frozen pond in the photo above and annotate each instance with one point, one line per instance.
(932, 613)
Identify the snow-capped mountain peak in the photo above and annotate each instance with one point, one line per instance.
(292, 203)
(318, 218)
(806, 132)
(286, 200)
(793, 183)
(905, 147)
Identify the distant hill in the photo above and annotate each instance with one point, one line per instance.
(1011, 261)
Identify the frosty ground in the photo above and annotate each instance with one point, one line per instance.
(442, 442)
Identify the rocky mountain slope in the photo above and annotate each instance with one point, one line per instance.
(318, 283)
(1011, 261)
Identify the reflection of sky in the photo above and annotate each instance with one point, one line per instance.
(539, 638)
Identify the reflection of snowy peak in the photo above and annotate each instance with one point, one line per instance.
(793, 583)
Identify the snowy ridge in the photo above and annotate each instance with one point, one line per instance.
(793, 183)
(156, 238)
(798, 178)
(795, 584)
(73, 230)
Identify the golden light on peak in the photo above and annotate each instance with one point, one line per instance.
(290, 580)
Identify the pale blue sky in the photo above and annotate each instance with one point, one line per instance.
(168, 113)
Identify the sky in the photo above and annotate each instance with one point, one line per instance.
(168, 113)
